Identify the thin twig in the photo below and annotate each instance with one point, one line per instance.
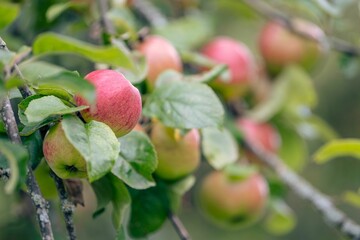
(179, 226)
(67, 207)
(329, 41)
(322, 203)
(150, 12)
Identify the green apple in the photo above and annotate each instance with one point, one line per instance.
(232, 202)
(61, 155)
(177, 155)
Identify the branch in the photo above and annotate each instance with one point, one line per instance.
(332, 42)
(107, 26)
(67, 207)
(40, 204)
(179, 226)
(322, 203)
(150, 12)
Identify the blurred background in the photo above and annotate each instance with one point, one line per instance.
(336, 79)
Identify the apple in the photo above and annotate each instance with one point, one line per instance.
(118, 102)
(177, 155)
(160, 55)
(240, 62)
(262, 135)
(61, 155)
(232, 202)
(280, 47)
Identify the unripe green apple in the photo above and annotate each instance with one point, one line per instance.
(262, 135)
(118, 102)
(177, 155)
(160, 55)
(61, 155)
(232, 202)
(240, 62)
(280, 47)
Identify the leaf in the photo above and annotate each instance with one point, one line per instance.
(292, 91)
(208, 76)
(41, 108)
(198, 25)
(352, 198)
(33, 143)
(8, 13)
(95, 141)
(338, 148)
(178, 189)
(51, 43)
(16, 156)
(35, 70)
(137, 161)
(281, 218)
(55, 10)
(110, 189)
(149, 210)
(185, 105)
(219, 147)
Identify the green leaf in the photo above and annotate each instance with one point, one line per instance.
(208, 76)
(239, 171)
(35, 70)
(51, 43)
(149, 210)
(219, 147)
(33, 143)
(95, 141)
(137, 161)
(8, 13)
(292, 91)
(185, 105)
(110, 189)
(56, 10)
(41, 108)
(338, 148)
(281, 219)
(352, 198)
(16, 156)
(178, 189)
(198, 25)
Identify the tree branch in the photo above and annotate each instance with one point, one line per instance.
(322, 203)
(150, 12)
(179, 226)
(329, 42)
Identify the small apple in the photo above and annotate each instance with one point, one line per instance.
(61, 155)
(160, 55)
(118, 102)
(280, 47)
(177, 155)
(240, 62)
(262, 135)
(233, 202)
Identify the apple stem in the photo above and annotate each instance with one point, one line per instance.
(67, 206)
(179, 226)
(329, 42)
(322, 203)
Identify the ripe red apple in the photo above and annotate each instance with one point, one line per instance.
(280, 47)
(118, 102)
(232, 202)
(177, 155)
(61, 155)
(262, 135)
(160, 55)
(240, 62)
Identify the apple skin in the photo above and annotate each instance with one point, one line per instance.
(240, 62)
(118, 102)
(280, 47)
(61, 155)
(177, 155)
(262, 135)
(160, 55)
(233, 203)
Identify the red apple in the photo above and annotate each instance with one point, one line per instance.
(240, 62)
(160, 55)
(61, 155)
(262, 135)
(280, 47)
(177, 155)
(118, 102)
(233, 202)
